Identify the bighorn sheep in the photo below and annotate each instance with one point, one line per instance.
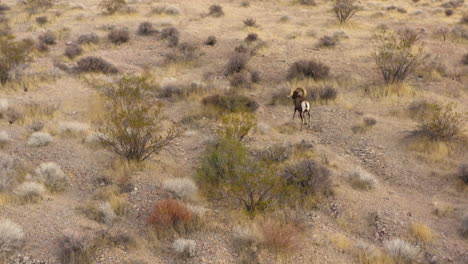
(300, 104)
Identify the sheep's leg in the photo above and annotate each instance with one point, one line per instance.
(302, 119)
(294, 113)
(308, 112)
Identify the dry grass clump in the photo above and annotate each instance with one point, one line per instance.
(112, 6)
(345, 9)
(184, 188)
(119, 36)
(240, 79)
(88, 38)
(11, 237)
(328, 41)
(185, 247)
(73, 50)
(308, 69)
(76, 247)
(4, 138)
(231, 103)
(216, 11)
(171, 35)
(281, 97)
(394, 54)
(448, 12)
(3, 8)
(463, 173)
(48, 38)
(41, 20)
(165, 10)
(280, 237)
(422, 232)
(170, 213)
(40, 139)
(29, 191)
(441, 124)
(367, 124)
(276, 154)
(95, 64)
(236, 63)
(250, 22)
(99, 212)
(401, 251)
(147, 29)
(13, 55)
(52, 176)
(323, 94)
(131, 127)
(186, 53)
(361, 179)
(210, 41)
(35, 6)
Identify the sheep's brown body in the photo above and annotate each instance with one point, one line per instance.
(301, 105)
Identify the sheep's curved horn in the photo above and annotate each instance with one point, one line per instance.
(302, 90)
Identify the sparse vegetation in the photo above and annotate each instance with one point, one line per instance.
(464, 226)
(345, 9)
(361, 179)
(72, 51)
(89, 38)
(463, 173)
(211, 41)
(13, 54)
(231, 103)
(119, 36)
(171, 35)
(48, 38)
(422, 232)
(250, 22)
(236, 63)
(76, 247)
(236, 126)
(54, 179)
(95, 64)
(132, 126)
(441, 123)
(185, 247)
(4, 138)
(308, 69)
(30, 191)
(147, 29)
(40, 139)
(112, 6)
(216, 11)
(401, 251)
(11, 237)
(41, 20)
(183, 188)
(35, 6)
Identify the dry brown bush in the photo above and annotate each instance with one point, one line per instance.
(119, 36)
(170, 213)
(308, 69)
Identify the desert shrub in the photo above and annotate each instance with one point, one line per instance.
(255, 77)
(236, 63)
(3, 8)
(8, 167)
(448, 12)
(170, 213)
(211, 41)
(185, 247)
(48, 38)
(112, 6)
(463, 173)
(52, 176)
(73, 128)
(328, 41)
(369, 121)
(240, 79)
(95, 64)
(307, 2)
(186, 52)
(245, 4)
(119, 36)
(171, 35)
(465, 59)
(241, 49)
(99, 212)
(280, 237)
(165, 10)
(41, 20)
(132, 125)
(228, 171)
(401, 10)
(464, 226)
(345, 9)
(76, 247)
(13, 54)
(276, 154)
(308, 69)
(184, 188)
(280, 97)
(251, 37)
(401, 251)
(441, 123)
(4, 138)
(421, 108)
(11, 236)
(325, 93)
(30, 191)
(361, 179)
(88, 38)
(40, 139)
(146, 29)
(453, 4)
(250, 22)
(464, 19)
(308, 177)
(216, 11)
(73, 51)
(394, 54)
(236, 126)
(35, 6)
(231, 103)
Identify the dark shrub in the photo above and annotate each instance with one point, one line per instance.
(73, 51)
(186, 52)
(345, 9)
(251, 37)
(326, 93)
(307, 2)
(240, 79)
(250, 22)
(453, 4)
(48, 38)
(170, 34)
(465, 59)
(464, 19)
(171, 91)
(369, 121)
(41, 47)
(216, 11)
(276, 154)
(35, 6)
(308, 177)
(112, 6)
(463, 173)
(95, 64)
(245, 4)
(328, 41)
(211, 41)
(119, 36)
(41, 20)
(13, 54)
(237, 63)
(255, 77)
(146, 29)
(4, 7)
(241, 49)
(89, 38)
(231, 103)
(308, 69)
(401, 10)
(448, 12)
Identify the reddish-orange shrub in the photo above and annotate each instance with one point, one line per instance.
(280, 237)
(170, 212)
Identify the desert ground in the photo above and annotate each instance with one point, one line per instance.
(381, 186)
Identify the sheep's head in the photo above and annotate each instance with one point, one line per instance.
(298, 92)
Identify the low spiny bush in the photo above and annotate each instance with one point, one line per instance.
(112, 6)
(73, 50)
(308, 69)
(345, 9)
(216, 11)
(119, 36)
(95, 64)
